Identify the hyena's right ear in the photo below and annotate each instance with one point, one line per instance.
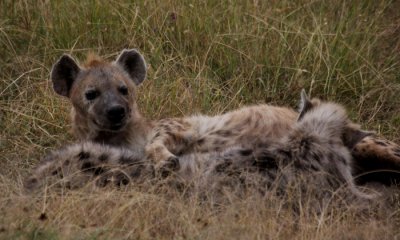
(133, 63)
(305, 104)
(63, 75)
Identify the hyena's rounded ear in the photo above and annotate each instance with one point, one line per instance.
(133, 63)
(63, 74)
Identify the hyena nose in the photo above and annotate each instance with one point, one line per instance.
(116, 114)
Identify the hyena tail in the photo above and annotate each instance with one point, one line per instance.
(76, 165)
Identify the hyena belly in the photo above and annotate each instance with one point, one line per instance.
(249, 125)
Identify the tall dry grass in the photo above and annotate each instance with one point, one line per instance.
(204, 56)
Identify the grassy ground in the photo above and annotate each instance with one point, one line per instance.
(204, 56)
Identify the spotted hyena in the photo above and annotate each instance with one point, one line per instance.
(105, 112)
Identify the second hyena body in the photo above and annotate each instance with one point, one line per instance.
(105, 112)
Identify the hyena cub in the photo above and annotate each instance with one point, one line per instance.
(311, 148)
(105, 111)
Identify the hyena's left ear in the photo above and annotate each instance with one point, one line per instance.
(133, 63)
(353, 134)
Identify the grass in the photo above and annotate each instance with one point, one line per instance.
(204, 56)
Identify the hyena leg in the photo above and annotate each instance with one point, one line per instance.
(76, 165)
(157, 152)
(376, 160)
(171, 138)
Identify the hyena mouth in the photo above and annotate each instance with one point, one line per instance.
(110, 127)
(117, 126)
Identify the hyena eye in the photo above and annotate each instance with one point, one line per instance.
(123, 90)
(92, 94)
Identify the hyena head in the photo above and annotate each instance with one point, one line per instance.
(322, 139)
(351, 133)
(102, 93)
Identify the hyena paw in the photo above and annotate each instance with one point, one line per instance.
(165, 168)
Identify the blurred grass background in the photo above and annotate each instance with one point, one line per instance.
(204, 56)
